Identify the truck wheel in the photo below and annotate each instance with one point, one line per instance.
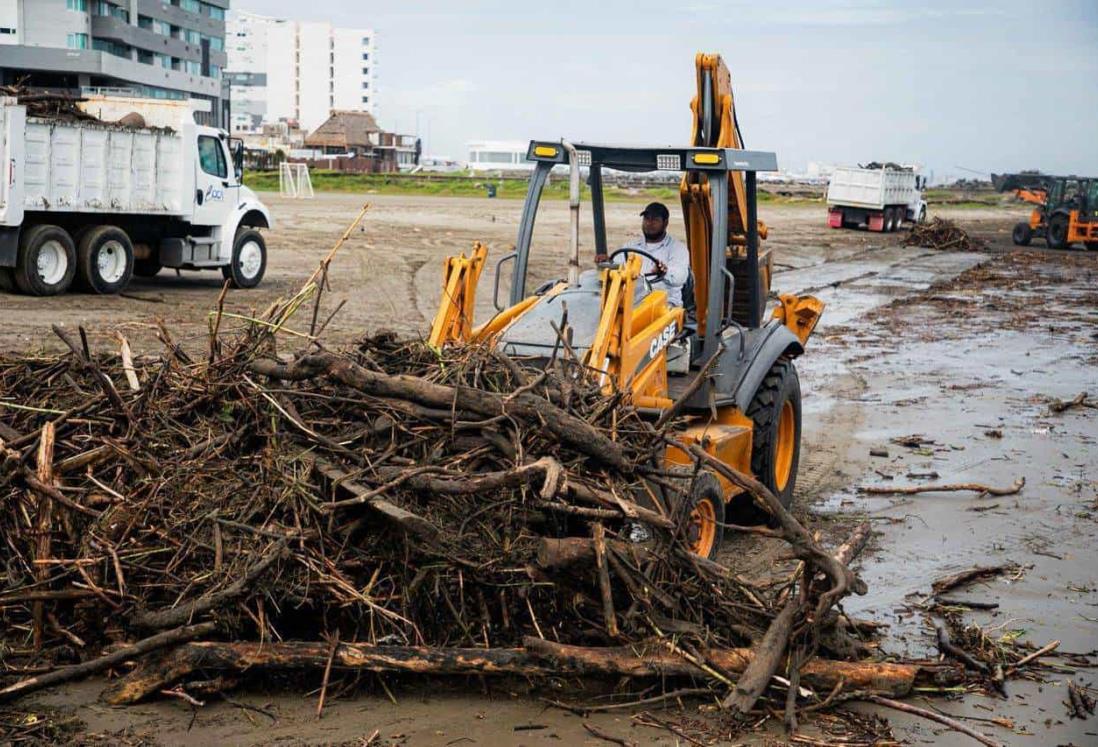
(146, 268)
(704, 515)
(47, 261)
(1057, 232)
(1022, 234)
(922, 215)
(7, 280)
(249, 259)
(104, 260)
(776, 443)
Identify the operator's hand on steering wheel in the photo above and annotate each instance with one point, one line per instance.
(658, 273)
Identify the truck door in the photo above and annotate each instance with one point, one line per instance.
(215, 184)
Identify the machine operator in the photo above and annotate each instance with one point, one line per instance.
(672, 256)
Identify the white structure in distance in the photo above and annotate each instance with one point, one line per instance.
(297, 71)
(294, 181)
(499, 155)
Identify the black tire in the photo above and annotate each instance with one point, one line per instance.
(1091, 246)
(1056, 234)
(7, 280)
(889, 221)
(46, 263)
(104, 260)
(1022, 234)
(241, 271)
(922, 215)
(780, 386)
(146, 268)
(705, 504)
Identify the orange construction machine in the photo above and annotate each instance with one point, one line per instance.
(1065, 212)
(721, 356)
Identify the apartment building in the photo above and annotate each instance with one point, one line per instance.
(169, 49)
(297, 71)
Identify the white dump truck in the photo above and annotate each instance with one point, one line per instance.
(880, 197)
(136, 188)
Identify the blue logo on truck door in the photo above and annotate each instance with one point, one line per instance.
(215, 194)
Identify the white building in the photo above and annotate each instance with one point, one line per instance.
(297, 70)
(499, 155)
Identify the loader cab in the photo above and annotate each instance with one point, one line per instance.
(730, 299)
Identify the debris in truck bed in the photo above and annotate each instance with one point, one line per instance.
(47, 104)
(941, 233)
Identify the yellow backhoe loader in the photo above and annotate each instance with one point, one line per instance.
(725, 364)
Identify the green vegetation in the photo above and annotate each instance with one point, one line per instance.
(458, 185)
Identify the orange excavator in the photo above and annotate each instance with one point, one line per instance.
(1066, 209)
(723, 363)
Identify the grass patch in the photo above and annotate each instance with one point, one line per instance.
(435, 185)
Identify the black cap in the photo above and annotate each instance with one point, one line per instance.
(657, 209)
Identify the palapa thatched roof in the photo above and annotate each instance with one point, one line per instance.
(344, 129)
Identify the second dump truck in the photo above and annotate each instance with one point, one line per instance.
(880, 197)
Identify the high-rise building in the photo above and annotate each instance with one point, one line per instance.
(298, 71)
(169, 49)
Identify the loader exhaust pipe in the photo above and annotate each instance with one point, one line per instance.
(574, 214)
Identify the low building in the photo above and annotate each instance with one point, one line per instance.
(353, 141)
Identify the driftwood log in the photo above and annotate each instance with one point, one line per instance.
(536, 658)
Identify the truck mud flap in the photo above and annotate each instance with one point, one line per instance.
(9, 245)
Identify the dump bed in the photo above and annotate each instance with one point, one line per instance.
(871, 188)
(91, 166)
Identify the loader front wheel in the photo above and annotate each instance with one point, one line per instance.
(776, 445)
(1022, 234)
(704, 516)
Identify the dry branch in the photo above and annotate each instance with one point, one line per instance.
(975, 487)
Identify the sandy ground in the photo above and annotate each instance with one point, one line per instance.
(904, 348)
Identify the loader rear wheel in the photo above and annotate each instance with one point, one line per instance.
(1091, 246)
(1022, 234)
(776, 444)
(47, 261)
(705, 516)
(1057, 232)
(104, 260)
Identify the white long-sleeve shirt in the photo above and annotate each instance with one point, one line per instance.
(674, 254)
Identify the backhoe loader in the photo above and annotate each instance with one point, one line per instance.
(745, 409)
(1066, 209)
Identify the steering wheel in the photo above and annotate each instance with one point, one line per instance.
(649, 276)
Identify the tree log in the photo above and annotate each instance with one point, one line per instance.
(537, 658)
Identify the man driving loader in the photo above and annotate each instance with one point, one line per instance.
(672, 267)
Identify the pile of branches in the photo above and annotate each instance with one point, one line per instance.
(390, 507)
(940, 234)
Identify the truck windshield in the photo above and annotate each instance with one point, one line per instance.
(211, 157)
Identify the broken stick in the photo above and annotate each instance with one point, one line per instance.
(975, 487)
(144, 646)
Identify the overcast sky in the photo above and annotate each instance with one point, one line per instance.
(990, 86)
